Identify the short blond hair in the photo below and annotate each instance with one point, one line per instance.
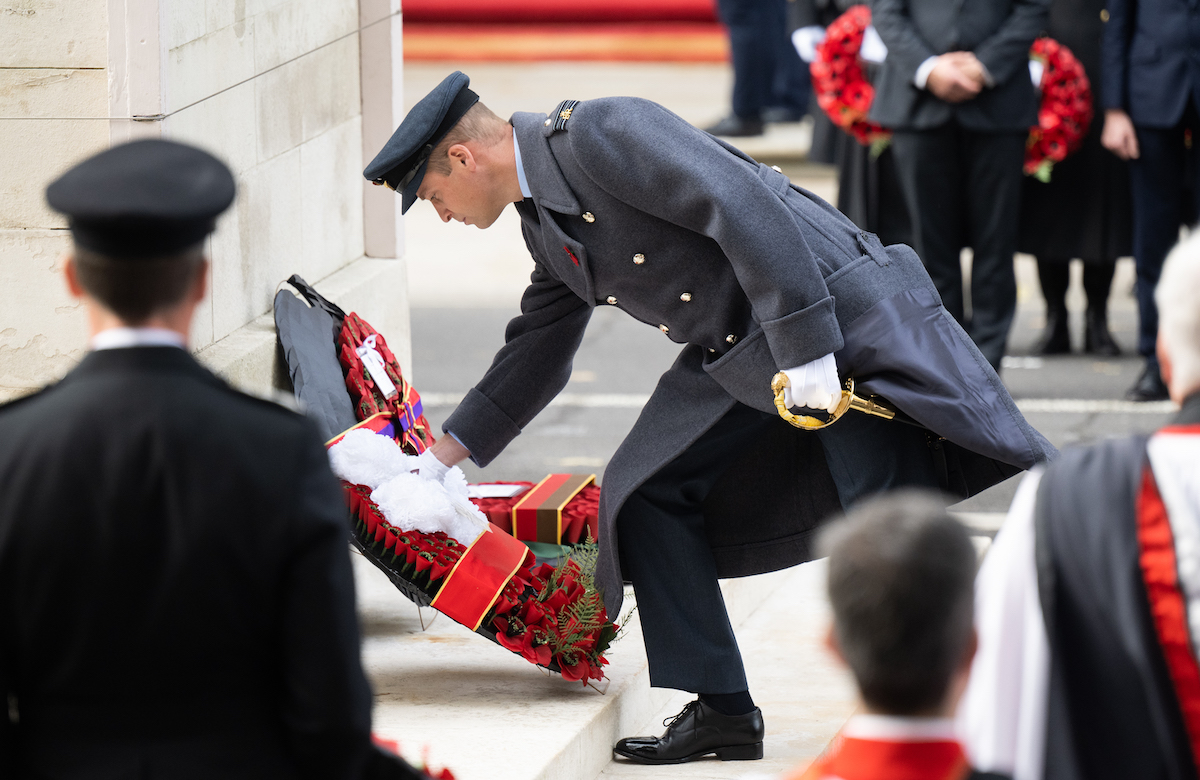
(1179, 312)
(479, 124)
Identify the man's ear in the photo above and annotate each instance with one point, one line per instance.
(831, 643)
(461, 157)
(1165, 367)
(71, 274)
(200, 286)
(971, 649)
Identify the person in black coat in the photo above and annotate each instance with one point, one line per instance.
(868, 189)
(956, 92)
(770, 83)
(176, 598)
(1084, 211)
(1150, 96)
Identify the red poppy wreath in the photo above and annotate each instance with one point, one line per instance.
(845, 95)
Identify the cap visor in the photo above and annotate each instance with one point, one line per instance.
(409, 196)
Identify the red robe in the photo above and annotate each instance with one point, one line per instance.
(850, 758)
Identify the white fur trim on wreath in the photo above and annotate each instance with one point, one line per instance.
(408, 501)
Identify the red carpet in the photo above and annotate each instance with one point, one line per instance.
(661, 42)
(557, 11)
(547, 30)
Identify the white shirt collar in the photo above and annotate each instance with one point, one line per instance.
(122, 338)
(893, 728)
(521, 180)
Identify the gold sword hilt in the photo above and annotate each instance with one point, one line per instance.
(848, 401)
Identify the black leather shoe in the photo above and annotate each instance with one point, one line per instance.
(698, 731)
(1149, 386)
(1097, 339)
(1056, 338)
(734, 126)
(780, 114)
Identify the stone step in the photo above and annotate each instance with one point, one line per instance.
(454, 699)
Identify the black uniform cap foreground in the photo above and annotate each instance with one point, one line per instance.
(145, 199)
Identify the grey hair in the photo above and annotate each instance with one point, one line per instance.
(1178, 299)
(901, 584)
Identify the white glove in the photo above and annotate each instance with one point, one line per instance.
(806, 39)
(814, 385)
(429, 467)
(873, 48)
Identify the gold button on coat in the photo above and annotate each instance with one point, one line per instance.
(639, 258)
(612, 300)
(1104, 14)
(686, 297)
(664, 328)
(731, 339)
(589, 216)
(547, 122)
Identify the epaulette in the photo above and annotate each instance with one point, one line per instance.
(563, 113)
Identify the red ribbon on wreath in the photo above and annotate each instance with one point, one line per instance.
(845, 95)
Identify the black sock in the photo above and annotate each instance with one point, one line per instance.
(730, 704)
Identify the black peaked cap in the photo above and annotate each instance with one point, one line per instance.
(402, 162)
(143, 199)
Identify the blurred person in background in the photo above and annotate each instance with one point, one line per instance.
(176, 598)
(770, 83)
(901, 586)
(1150, 95)
(1086, 603)
(1085, 210)
(956, 92)
(868, 191)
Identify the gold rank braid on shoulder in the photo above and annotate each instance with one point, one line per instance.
(563, 113)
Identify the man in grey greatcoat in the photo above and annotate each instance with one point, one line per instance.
(624, 204)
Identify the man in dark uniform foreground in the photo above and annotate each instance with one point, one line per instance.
(624, 204)
(176, 598)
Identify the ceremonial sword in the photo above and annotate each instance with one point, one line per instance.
(848, 401)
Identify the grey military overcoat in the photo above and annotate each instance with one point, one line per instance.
(635, 208)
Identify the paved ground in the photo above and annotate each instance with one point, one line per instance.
(466, 284)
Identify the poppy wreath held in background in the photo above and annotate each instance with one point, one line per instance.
(842, 89)
(845, 95)
(1065, 112)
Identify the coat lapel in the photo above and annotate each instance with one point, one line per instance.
(552, 195)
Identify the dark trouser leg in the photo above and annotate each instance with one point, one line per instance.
(868, 455)
(1158, 192)
(753, 49)
(993, 189)
(1055, 276)
(1097, 282)
(792, 83)
(664, 551)
(928, 167)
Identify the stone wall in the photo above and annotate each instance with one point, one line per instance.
(53, 68)
(271, 86)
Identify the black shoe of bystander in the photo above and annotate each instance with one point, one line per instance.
(1149, 386)
(1097, 338)
(734, 126)
(1056, 338)
(697, 731)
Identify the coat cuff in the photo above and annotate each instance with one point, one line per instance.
(804, 336)
(481, 427)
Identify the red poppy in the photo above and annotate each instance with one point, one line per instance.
(575, 671)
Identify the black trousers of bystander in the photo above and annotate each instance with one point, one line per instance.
(963, 188)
